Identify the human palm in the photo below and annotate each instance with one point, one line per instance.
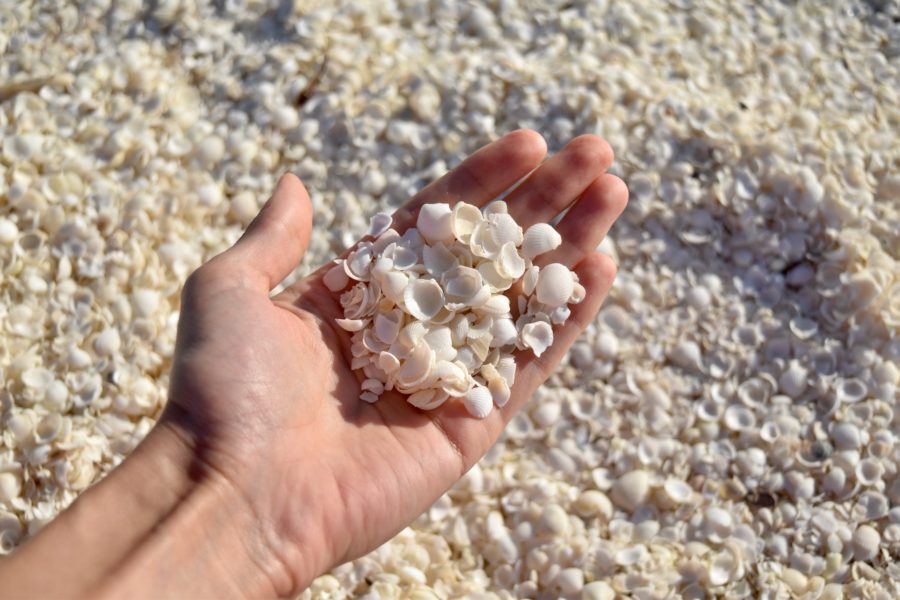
(262, 387)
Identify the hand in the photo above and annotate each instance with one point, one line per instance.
(265, 469)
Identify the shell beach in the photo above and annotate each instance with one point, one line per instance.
(727, 427)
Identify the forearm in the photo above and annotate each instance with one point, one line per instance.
(156, 526)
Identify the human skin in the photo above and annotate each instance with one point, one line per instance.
(265, 470)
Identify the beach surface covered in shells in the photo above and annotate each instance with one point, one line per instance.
(728, 425)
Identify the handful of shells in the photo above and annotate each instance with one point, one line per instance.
(430, 309)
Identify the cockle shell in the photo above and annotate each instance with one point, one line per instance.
(379, 223)
(463, 286)
(492, 277)
(423, 299)
(504, 229)
(417, 367)
(537, 336)
(478, 401)
(387, 325)
(538, 239)
(428, 399)
(499, 390)
(435, 223)
(438, 260)
(530, 280)
(465, 217)
(555, 285)
(509, 264)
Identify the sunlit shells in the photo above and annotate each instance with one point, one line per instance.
(379, 223)
(427, 312)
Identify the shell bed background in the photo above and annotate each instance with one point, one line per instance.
(728, 426)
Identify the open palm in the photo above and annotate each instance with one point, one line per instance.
(263, 391)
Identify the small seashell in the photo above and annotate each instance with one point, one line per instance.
(482, 242)
(537, 336)
(509, 264)
(530, 280)
(499, 390)
(721, 568)
(479, 402)
(865, 543)
(435, 223)
(492, 277)
(438, 260)
(677, 491)
(539, 239)
(335, 279)
(351, 325)
(503, 333)
(846, 436)
(504, 229)
(108, 342)
(555, 285)
(423, 299)
(631, 490)
(869, 471)
(579, 293)
(393, 285)
(560, 315)
(404, 258)
(465, 217)
(463, 286)
(388, 362)
(428, 399)
(850, 391)
(416, 368)
(387, 325)
(631, 555)
(369, 397)
(739, 418)
(379, 223)
(496, 305)
(793, 380)
(506, 368)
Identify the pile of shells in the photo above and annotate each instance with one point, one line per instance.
(727, 426)
(429, 312)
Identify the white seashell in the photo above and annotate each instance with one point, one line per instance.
(404, 258)
(865, 543)
(503, 332)
(416, 368)
(793, 381)
(463, 286)
(50, 428)
(850, 391)
(428, 399)
(373, 385)
(381, 267)
(869, 471)
(37, 378)
(555, 285)
(438, 260)
(393, 284)
(530, 280)
(560, 315)
(439, 338)
(412, 334)
(387, 325)
(677, 491)
(722, 567)
(504, 229)
(499, 391)
(537, 336)
(578, 293)
(496, 305)
(739, 418)
(423, 299)
(459, 329)
(539, 239)
(631, 555)
(497, 207)
(506, 368)
(379, 224)
(482, 242)
(351, 325)
(492, 277)
(359, 262)
(369, 397)
(631, 490)
(509, 264)
(846, 436)
(335, 279)
(478, 401)
(464, 219)
(434, 223)
(388, 362)
(108, 342)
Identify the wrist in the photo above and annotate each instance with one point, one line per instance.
(210, 543)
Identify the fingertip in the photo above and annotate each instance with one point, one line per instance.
(597, 271)
(589, 150)
(529, 143)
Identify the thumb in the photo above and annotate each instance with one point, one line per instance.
(277, 238)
